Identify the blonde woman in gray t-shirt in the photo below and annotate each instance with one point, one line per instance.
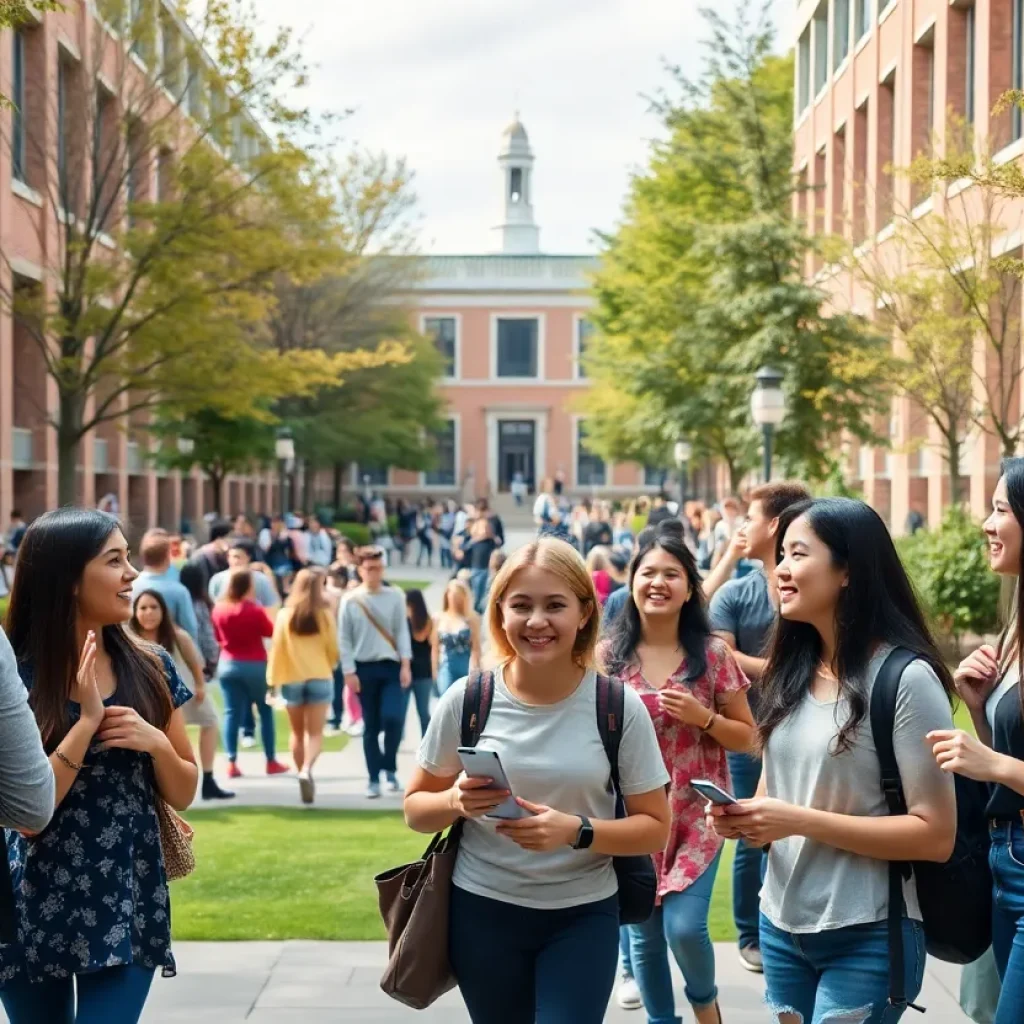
(534, 913)
(845, 603)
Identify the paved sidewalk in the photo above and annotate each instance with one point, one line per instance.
(324, 983)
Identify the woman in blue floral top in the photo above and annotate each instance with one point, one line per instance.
(91, 902)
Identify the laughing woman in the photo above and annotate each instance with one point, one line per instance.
(845, 603)
(989, 682)
(91, 902)
(534, 933)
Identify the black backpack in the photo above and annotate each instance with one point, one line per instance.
(638, 882)
(955, 897)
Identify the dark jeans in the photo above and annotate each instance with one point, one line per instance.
(517, 965)
(245, 683)
(749, 866)
(421, 691)
(1006, 859)
(113, 995)
(338, 700)
(426, 548)
(478, 583)
(248, 721)
(384, 705)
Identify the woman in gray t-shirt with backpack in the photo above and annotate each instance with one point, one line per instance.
(533, 932)
(845, 604)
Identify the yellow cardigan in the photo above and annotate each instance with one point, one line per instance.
(294, 658)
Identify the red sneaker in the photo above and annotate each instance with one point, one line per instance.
(234, 772)
(276, 768)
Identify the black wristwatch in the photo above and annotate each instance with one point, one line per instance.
(585, 836)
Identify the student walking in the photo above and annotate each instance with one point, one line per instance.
(91, 903)
(988, 680)
(456, 641)
(743, 613)
(151, 621)
(421, 634)
(845, 604)
(303, 653)
(241, 626)
(661, 647)
(533, 932)
(376, 655)
(194, 581)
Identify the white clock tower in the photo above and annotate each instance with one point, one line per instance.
(517, 232)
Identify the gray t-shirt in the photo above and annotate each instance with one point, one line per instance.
(552, 754)
(266, 593)
(742, 607)
(810, 886)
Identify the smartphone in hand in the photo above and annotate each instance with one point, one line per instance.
(710, 791)
(485, 764)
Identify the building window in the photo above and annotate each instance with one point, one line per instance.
(515, 188)
(969, 65)
(517, 348)
(164, 169)
(590, 468)
(374, 475)
(860, 172)
(803, 71)
(18, 113)
(584, 332)
(62, 132)
(862, 19)
(884, 192)
(443, 473)
(196, 105)
(883, 4)
(655, 476)
(1018, 64)
(841, 39)
(442, 330)
(820, 47)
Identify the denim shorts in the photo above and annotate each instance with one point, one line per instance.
(312, 691)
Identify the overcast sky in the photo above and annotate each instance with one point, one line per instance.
(436, 81)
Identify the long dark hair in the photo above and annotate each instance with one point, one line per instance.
(166, 635)
(194, 580)
(694, 632)
(1013, 472)
(417, 608)
(42, 621)
(877, 606)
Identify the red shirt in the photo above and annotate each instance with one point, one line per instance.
(240, 629)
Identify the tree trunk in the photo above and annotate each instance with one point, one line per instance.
(69, 444)
(217, 480)
(953, 462)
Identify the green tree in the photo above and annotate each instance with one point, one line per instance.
(180, 189)
(703, 283)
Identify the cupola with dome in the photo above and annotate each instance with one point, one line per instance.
(517, 232)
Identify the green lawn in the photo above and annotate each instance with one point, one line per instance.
(410, 584)
(281, 727)
(284, 873)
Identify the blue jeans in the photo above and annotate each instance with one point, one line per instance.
(749, 866)
(825, 974)
(518, 965)
(453, 667)
(625, 956)
(244, 684)
(384, 704)
(113, 995)
(338, 698)
(310, 691)
(421, 691)
(478, 582)
(1006, 859)
(680, 924)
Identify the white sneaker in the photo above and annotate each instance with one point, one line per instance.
(356, 729)
(394, 786)
(248, 741)
(627, 995)
(373, 791)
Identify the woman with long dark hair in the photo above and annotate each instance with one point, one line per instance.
(91, 899)
(988, 680)
(303, 653)
(845, 604)
(421, 633)
(193, 579)
(661, 646)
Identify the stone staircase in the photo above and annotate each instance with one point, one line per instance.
(514, 518)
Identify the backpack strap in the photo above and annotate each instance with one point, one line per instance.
(883, 722)
(611, 706)
(476, 706)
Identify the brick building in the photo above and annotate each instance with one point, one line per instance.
(878, 82)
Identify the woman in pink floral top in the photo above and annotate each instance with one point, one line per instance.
(661, 646)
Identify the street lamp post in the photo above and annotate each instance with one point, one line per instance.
(284, 449)
(768, 408)
(186, 446)
(682, 452)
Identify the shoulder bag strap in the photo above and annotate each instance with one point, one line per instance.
(476, 706)
(611, 703)
(883, 721)
(376, 625)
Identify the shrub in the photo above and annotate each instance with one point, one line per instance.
(950, 569)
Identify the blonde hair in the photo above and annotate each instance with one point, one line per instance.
(457, 586)
(561, 560)
(598, 559)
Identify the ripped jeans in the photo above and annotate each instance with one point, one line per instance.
(840, 976)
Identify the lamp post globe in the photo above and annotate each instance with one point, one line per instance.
(682, 453)
(768, 409)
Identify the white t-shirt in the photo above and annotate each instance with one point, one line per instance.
(553, 755)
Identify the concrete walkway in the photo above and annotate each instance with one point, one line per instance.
(324, 983)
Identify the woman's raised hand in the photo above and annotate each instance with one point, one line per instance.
(87, 691)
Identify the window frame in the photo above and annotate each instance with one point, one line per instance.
(579, 432)
(456, 373)
(19, 126)
(540, 320)
(578, 320)
(456, 431)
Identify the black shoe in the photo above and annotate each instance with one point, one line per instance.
(211, 791)
(750, 959)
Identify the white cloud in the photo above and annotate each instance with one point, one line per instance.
(437, 81)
